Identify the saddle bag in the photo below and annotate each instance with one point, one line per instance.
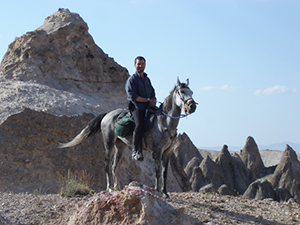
(124, 125)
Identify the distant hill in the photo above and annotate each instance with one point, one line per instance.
(281, 146)
(276, 146)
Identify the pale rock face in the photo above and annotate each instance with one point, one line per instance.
(59, 69)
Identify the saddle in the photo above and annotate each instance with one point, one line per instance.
(124, 125)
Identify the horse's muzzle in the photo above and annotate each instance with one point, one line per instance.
(191, 106)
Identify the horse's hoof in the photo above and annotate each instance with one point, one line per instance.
(165, 195)
(109, 190)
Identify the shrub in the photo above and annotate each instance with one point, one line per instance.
(75, 184)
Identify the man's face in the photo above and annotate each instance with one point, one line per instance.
(140, 65)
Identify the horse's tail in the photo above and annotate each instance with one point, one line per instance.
(92, 128)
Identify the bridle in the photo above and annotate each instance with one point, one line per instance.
(186, 105)
(185, 102)
(190, 100)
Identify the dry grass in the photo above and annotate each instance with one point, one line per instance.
(75, 184)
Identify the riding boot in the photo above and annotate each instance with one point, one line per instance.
(137, 153)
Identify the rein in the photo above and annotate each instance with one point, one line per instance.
(172, 117)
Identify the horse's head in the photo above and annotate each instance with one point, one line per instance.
(184, 97)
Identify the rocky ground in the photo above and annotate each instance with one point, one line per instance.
(206, 207)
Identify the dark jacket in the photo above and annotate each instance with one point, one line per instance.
(135, 86)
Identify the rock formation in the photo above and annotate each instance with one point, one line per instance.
(242, 175)
(260, 190)
(225, 162)
(179, 174)
(194, 162)
(208, 172)
(30, 159)
(53, 81)
(212, 172)
(197, 180)
(286, 176)
(228, 170)
(236, 175)
(59, 69)
(251, 157)
(185, 150)
(136, 204)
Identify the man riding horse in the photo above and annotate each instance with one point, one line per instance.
(159, 138)
(140, 93)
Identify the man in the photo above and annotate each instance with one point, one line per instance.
(140, 94)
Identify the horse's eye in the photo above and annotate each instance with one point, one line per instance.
(181, 91)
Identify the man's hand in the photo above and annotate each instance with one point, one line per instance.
(153, 102)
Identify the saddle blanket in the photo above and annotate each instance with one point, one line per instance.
(125, 124)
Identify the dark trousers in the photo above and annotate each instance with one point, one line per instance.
(138, 116)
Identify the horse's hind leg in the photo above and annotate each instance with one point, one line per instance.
(109, 145)
(119, 150)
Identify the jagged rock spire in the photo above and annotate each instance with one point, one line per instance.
(286, 176)
(251, 157)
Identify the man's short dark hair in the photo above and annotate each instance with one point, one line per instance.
(139, 58)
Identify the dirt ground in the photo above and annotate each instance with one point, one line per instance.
(208, 208)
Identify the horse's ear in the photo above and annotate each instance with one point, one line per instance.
(187, 82)
(178, 81)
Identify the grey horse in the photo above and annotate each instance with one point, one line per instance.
(158, 140)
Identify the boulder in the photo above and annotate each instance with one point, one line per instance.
(260, 190)
(197, 180)
(251, 157)
(224, 190)
(194, 162)
(135, 204)
(209, 188)
(286, 175)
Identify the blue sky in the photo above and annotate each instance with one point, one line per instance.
(242, 57)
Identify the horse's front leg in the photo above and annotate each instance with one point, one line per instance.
(165, 163)
(157, 161)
